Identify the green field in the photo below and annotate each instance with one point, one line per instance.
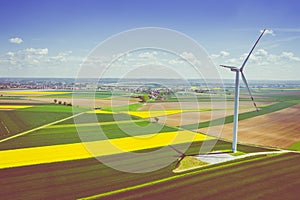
(16, 121)
(67, 133)
(295, 147)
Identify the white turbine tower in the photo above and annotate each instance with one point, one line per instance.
(239, 71)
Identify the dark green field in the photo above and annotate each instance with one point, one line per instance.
(88, 118)
(17, 121)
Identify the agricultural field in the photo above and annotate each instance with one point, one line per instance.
(62, 179)
(20, 118)
(44, 157)
(260, 178)
(277, 129)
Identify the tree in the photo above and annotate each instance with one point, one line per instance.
(144, 98)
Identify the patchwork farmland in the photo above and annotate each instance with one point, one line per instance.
(44, 157)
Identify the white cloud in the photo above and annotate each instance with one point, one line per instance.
(148, 55)
(191, 58)
(222, 54)
(61, 57)
(16, 40)
(30, 57)
(262, 57)
(261, 52)
(268, 31)
(290, 56)
(99, 61)
(35, 51)
(176, 61)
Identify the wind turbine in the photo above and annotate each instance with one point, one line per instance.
(239, 71)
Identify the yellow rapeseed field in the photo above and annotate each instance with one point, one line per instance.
(153, 113)
(100, 112)
(13, 106)
(57, 153)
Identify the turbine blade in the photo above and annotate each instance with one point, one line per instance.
(245, 61)
(176, 150)
(226, 66)
(178, 162)
(245, 81)
(194, 154)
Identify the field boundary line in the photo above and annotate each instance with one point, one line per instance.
(40, 127)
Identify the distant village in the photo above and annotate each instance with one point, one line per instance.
(132, 85)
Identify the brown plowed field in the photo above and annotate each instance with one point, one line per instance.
(268, 178)
(197, 105)
(277, 129)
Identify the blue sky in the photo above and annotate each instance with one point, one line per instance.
(45, 38)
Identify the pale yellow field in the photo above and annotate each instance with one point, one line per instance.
(26, 92)
(57, 153)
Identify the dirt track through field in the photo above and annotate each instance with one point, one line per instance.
(277, 129)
